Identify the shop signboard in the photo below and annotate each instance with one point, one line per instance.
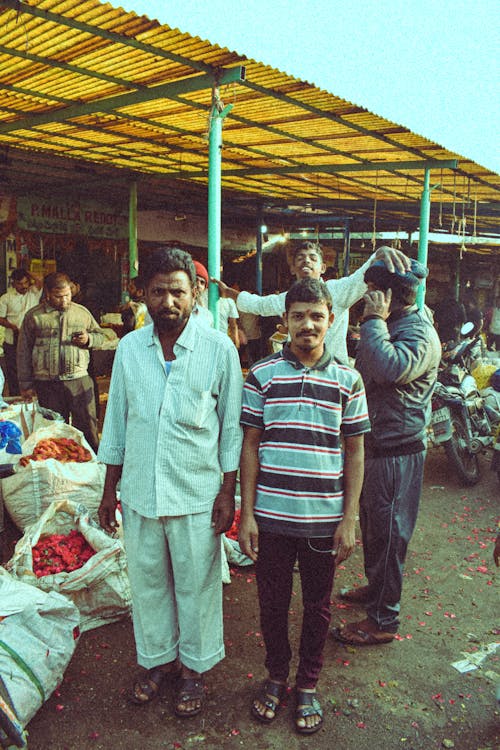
(59, 215)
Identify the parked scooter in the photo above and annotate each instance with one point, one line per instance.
(459, 420)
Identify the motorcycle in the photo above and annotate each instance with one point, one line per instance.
(459, 421)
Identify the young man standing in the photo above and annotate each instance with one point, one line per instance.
(304, 417)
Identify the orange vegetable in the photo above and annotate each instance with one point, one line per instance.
(62, 449)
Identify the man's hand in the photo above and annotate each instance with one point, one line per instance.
(377, 303)
(223, 511)
(248, 537)
(107, 512)
(225, 290)
(28, 394)
(80, 339)
(344, 540)
(394, 259)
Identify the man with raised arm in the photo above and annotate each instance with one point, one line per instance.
(307, 263)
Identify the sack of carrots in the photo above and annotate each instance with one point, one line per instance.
(61, 448)
(57, 463)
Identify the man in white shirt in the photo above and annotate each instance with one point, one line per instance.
(172, 437)
(14, 304)
(307, 262)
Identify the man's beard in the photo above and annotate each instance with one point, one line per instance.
(169, 324)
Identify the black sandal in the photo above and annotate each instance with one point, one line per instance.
(189, 689)
(147, 687)
(307, 705)
(271, 696)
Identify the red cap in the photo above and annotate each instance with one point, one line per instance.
(201, 270)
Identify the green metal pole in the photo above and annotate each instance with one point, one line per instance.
(214, 201)
(132, 232)
(423, 235)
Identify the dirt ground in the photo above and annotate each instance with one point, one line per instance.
(403, 695)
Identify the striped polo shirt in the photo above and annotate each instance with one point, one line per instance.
(303, 412)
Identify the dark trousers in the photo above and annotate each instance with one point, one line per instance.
(388, 513)
(9, 352)
(274, 570)
(73, 398)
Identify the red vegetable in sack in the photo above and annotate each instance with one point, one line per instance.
(60, 553)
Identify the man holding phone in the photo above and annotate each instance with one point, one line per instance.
(53, 356)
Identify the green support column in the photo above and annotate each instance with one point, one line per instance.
(132, 232)
(131, 269)
(423, 235)
(214, 200)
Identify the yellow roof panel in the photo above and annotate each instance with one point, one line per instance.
(78, 81)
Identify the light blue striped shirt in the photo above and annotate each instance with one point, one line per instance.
(174, 434)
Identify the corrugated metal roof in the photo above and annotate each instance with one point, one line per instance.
(77, 81)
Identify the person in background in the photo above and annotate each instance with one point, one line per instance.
(228, 319)
(134, 313)
(304, 417)
(24, 294)
(250, 337)
(201, 313)
(493, 329)
(473, 313)
(53, 356)
(3, 368)
(228, 313)
(449, 317)
(172, 438)
(307, 262)
(398, 357)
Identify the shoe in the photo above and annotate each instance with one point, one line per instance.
(363, 633)
(271, 695)
(359, 595)
(189, 690)
(307, 704)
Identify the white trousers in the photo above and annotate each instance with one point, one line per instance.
(174, 566)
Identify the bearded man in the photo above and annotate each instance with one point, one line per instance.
(171, 431)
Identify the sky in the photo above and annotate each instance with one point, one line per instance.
(429, 65)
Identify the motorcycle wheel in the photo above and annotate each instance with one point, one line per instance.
(465, 463)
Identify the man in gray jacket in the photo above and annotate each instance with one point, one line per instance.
(398, 357)
(53, 356)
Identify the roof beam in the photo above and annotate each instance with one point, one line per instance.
(385, 166)
(112, 36)
(112, 103)
(342, 121)
(54, 63)
(329, 116)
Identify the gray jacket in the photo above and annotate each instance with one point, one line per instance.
(398, 360)
(45, 350)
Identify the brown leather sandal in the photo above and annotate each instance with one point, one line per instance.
(147, 686)
(189, 690)
(271, 695)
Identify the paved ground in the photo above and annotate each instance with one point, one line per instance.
(402, 695)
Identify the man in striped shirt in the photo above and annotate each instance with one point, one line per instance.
(173, 439)
(304, 416)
